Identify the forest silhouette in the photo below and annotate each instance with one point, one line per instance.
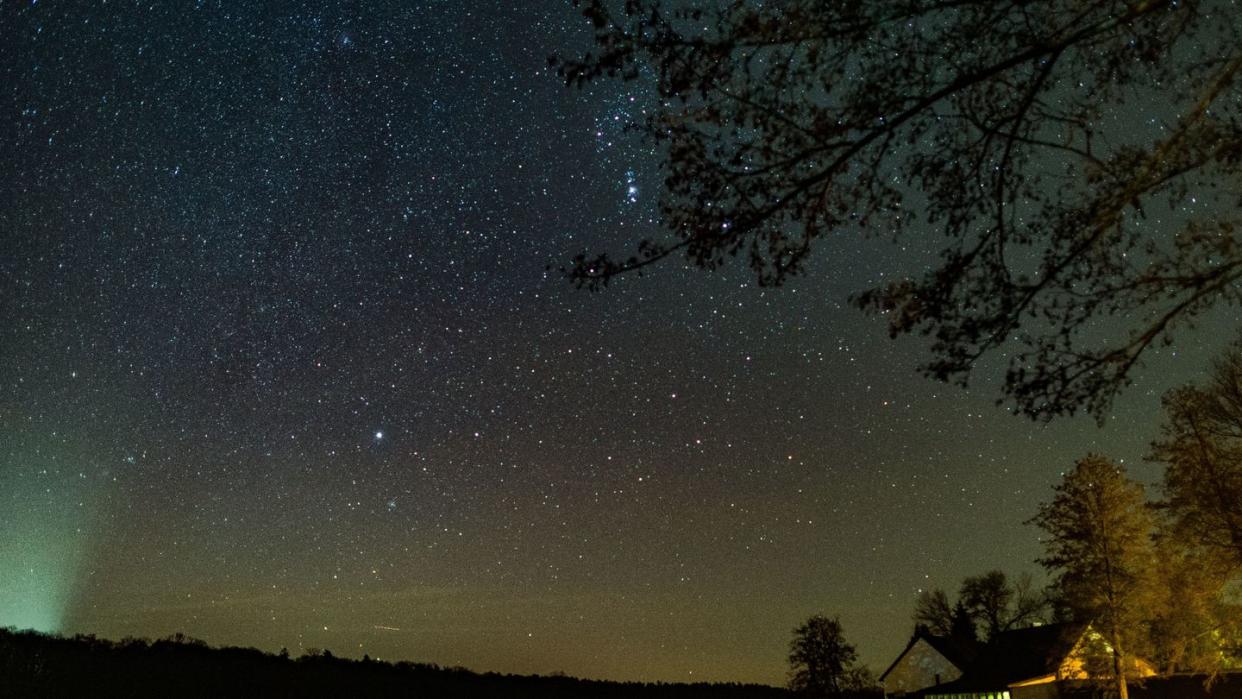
(43, 665)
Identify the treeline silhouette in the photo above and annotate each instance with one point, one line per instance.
(43, 665)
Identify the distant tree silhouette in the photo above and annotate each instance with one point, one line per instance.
(1003, 126)
(933, 611)
(962, 629)
(986, 604)
(987, 597)
(821, 662)
(1099, 546)
(39, 665)
(997, 605)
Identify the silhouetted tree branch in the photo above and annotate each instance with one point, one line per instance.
(997, 605)
(933, 611)
(1081, 161)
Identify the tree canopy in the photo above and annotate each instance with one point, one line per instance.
(986, 605)
(1195, 624)
(1080, 160)
(995, 604)
(1200, 623)
(821, 662)
(1099, 530)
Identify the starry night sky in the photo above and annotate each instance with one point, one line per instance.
(282, 363)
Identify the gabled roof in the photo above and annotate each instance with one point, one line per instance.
(1018, 655)
(956, 653)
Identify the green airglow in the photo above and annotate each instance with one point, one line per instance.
(45, 520)
(36, 569)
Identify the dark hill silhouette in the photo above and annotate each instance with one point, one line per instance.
(35, 664)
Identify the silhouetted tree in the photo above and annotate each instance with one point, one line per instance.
(987, 603)
(996, 123)
(821, 662)
(1098, 544)
(1201, 447)
(987, 597)
(39, 665)
(962, 627)
(996, 605)
(933, 611)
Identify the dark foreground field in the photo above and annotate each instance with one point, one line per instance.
(38, 665)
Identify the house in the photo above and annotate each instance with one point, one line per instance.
(1185, 686)
(1032, 663)
(927, 660)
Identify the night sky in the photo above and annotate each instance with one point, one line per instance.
(282, 363)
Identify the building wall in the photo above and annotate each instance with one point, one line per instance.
(918, 669)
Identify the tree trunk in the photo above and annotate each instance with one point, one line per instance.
(1123, 691)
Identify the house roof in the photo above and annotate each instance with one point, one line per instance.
(1017, 655)
(957, 653)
